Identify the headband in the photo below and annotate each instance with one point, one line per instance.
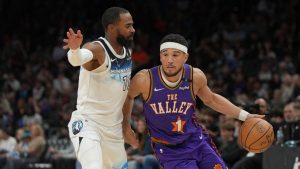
(174, 45)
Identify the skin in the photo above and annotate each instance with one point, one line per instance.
(289, 113)
(263, 105)
(123, 27)
(172, 61)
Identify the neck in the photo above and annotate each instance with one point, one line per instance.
(171, 81)
(115, 45)
(172, 78)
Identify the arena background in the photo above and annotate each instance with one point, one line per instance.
(248, 49)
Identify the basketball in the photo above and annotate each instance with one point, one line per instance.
(256, 135)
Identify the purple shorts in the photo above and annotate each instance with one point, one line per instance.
(197, 152)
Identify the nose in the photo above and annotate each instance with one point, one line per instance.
(170, 59)
(132, 30)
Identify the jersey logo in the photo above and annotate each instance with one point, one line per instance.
(112, 60)
(156, 90)
(184, 88)
(77, 126)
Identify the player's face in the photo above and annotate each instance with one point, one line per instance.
(172, 61)
(125, 30)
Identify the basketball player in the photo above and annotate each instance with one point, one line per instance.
(169, 91)
(105, 66)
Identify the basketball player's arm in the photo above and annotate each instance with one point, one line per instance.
(136, 88)
(98, 55)
(216, 101)
(90, 56)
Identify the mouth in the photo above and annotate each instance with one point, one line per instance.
(131, 36)
(170, 67)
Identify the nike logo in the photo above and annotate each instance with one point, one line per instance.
(156, 90)
(112, 60)
(200, 137)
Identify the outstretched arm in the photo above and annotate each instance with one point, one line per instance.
(137, 87)
(216, 101)
(90, 56)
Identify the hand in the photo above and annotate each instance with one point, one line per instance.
(130, 138)
(255, 116)
(73, 40)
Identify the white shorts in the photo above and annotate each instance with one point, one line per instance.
(97, 147)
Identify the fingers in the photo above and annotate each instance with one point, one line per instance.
(71, 31)
(66, 47)
(261, 116)
(66, 40)
(256, 116)
(79, 35)
(68, 34)
(72, 34)
(79, 32)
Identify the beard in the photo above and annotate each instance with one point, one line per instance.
(172, 74)
(127, 42)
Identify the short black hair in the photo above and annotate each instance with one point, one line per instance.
(174, 38)
(112, 15)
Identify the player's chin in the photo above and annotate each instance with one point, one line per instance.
(170, 73)
(171, 70)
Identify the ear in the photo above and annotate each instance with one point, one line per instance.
(186, 57)
(111, 27)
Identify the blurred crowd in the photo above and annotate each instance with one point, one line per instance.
(249, 50)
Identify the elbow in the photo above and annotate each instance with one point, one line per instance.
(209, 101)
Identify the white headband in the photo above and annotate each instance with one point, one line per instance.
(173, 45)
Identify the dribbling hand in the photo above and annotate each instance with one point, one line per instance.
(73, 40)
(255, 115)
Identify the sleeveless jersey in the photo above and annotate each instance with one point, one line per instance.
(101, 94)
(169, 112)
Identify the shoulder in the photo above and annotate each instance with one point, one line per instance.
(199, 78)
(142, 76)
(94, 47)
(140, 84)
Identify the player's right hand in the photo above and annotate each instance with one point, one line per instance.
(130, 138)
(255, 116)
(73, 40)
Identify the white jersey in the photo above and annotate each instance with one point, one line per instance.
(102, 92)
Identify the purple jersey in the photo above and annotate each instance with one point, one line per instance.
(169, 110)
(171, 122)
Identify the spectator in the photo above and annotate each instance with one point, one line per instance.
(229, 149)
(143, 158)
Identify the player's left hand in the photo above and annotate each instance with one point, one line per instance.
(255, 116)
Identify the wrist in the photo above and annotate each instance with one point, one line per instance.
(75, 50)
(243, 115)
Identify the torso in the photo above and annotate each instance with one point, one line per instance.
(102, 91)
(170, 111)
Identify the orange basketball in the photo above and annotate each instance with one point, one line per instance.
(256, 135)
